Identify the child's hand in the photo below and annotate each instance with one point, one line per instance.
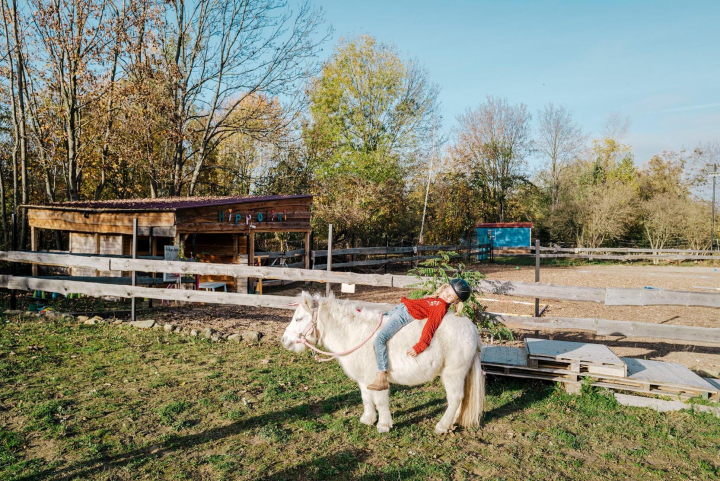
(412, 353)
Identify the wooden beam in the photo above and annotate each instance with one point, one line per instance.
(34, 247)
(603, 327)
(51, 259)
(385, 261)
(281, 255)
(236, 270)
(98, 290)
(306, 254)
(609, 296)
(103, 223)
(627, 257)
(251, 248)
(393, 250)
(660, 297)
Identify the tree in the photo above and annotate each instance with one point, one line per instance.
(492, 143)
(696, 225)
(598, 196)
(243, 161)
(664, 174)
(76, 40)
(217, 55)
(560, 139)
(371, 114)
(16, 64)
(594, 214)
(661, 218)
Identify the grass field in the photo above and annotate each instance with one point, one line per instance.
(109, 402)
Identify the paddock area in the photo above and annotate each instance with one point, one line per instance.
(179, 395)
(115, 402)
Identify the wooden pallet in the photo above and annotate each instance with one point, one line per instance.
(649, 377)
(512, 361)
(579, 357)
(666, 377)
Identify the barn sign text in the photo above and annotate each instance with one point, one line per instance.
(237, 218)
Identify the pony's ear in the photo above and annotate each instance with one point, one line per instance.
(306, 300)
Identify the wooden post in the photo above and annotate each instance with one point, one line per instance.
(13, 243)
(133, 274)
(34, 247)
(151, 251)
(329, 259)
(251, 255)
(387, 248)
(307, 250)
(97, 251)
(537, 274)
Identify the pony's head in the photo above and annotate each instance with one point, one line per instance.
(300, 323)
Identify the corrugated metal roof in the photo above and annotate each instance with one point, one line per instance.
(505, 224)
(166, 203)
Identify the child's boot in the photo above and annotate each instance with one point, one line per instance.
(380, 383)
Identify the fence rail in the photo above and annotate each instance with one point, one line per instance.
(607, 296)
(463, 250)
(604, 327)
(599, 326)
(624, 254)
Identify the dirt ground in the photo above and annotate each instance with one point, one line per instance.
(702, 358)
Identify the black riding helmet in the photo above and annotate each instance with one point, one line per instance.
(462, 288)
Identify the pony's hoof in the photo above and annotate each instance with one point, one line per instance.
(441, 429)
(384, 428)
(368, 419)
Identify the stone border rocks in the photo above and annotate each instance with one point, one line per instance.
(249, 336)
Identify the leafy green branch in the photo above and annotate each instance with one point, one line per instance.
(433, 273)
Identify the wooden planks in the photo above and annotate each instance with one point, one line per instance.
(567, 362)
(668, 376)
(231, 218)
(94, 289)
(503, 355)
(578, 357)
(603, 327)
(546, 291)
(251, 271)
(163, 223)
(657, 297)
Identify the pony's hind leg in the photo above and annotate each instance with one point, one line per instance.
(382, 402)
(454, 382)
(369, 415)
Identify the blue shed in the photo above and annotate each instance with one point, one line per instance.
(505, 234)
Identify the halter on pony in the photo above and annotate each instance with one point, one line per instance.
(312, 327)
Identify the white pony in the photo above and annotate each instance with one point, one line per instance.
(453, 354)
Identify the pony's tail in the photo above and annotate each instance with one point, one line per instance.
(473, 402)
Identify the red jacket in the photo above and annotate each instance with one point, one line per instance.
(428, 308)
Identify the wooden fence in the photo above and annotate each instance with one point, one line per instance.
(625, 254)
(462, 250)
(608, 296)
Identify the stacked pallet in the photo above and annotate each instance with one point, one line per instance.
(571, 362)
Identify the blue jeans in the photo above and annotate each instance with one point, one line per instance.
(398, 318)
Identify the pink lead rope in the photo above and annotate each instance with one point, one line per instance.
(333, 355)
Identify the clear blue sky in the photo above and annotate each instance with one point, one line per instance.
(655, 61)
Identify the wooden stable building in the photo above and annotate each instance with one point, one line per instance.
(208, 229)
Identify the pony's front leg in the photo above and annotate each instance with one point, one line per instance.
(454, 382)
(382, 403)
(369, 415)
